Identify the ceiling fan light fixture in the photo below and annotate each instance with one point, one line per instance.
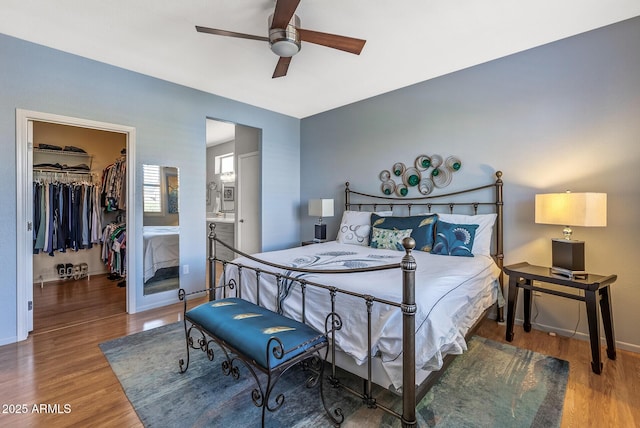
(286, 48)
(285, 42)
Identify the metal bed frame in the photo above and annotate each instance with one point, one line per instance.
(410, 395)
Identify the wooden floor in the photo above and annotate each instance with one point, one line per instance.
(64, 303)
(611, 399)
(63, 369)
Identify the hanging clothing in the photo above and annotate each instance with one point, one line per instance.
(114, 238)
(64, 217)
(114, 184)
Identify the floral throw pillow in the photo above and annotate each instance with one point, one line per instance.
(389, 239)
(454, 239)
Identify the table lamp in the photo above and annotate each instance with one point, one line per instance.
(570, 209)
(320, 208)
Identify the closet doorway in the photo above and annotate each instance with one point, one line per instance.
(73, 188)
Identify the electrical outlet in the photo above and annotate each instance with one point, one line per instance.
(185, 269)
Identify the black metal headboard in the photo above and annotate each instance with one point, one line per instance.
(428, 202)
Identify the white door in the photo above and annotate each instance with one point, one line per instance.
(248, 236)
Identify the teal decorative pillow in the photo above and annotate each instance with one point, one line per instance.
(388, 239)
(421, 227)
(454, 239)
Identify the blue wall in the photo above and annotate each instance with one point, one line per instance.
(561, 116)
(170, 130)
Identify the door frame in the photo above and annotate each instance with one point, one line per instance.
(24, 208)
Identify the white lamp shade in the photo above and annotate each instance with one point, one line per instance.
(321, 207)
(572, 209)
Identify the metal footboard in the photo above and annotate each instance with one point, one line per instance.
(333, 322)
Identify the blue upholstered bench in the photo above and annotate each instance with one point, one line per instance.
(248, 329)
(258, 337)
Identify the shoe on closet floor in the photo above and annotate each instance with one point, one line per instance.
(76, 272)
(61, 270)
(69, 269)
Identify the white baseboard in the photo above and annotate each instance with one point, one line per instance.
(579, 335)
(8, 340)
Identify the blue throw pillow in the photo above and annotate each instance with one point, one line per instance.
(454, 239)
(421, 227)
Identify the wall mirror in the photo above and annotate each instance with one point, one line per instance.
(161, 229)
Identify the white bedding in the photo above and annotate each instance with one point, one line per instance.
(160, 248)
(451, 292)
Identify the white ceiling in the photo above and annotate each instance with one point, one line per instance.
(219, 132)
(408, 41)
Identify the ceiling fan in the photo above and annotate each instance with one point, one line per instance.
(285, 36)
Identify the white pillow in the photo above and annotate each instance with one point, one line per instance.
(355, 234)
(484, 233)
(350, 219)
(356, 217)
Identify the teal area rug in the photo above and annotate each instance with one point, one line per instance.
(491, 385)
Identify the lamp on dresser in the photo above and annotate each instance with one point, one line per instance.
(320, 208)
(570, 209)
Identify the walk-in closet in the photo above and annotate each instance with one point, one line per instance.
(79, 224)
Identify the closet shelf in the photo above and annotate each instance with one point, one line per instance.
(61, 152)
(61, 171)
(62, 161)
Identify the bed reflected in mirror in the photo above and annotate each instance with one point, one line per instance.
(161, 229)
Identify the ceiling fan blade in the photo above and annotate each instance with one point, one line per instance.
(230, 33)
(284, 12)
(343, 43)
(282, 67)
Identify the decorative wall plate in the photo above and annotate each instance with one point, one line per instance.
(441, 177)
(428, 172)
(401, 190)
(423, 162)
(388, 187)
(425, 187)
(453, 163)
(385, 175)
(411, 177)
(436, 161)
(398, 169)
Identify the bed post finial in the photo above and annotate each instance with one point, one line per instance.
(347, 201)
(408, 265)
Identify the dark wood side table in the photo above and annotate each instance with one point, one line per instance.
(596, 289)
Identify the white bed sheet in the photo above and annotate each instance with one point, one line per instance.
(451, 292)
(160, 248)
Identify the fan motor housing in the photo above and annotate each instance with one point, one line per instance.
(285, 42)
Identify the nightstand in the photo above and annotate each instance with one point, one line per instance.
(595, 287)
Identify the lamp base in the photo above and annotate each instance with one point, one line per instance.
(567, 254)
(320, 233)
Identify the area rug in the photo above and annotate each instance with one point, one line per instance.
(491, 385)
